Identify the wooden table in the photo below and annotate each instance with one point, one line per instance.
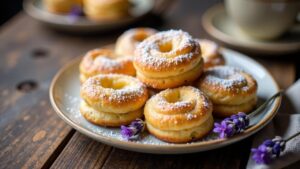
(33, 136)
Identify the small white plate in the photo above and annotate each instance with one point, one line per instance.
(218, 24)
(35, 9)
(65, 99)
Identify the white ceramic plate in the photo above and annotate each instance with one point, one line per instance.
(35, 9)
(64, 96)
(217, 23)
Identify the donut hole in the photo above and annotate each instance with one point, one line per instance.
(111, 84)
(139, 37)
(173, 97)
(166, 46)
(97, 54)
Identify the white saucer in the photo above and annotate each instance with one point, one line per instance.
(35, 9)
(217, 23)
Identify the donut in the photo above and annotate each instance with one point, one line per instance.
(104, 61)
(61, 6)
(106, 10)
(168, 59)
(179, 115)
(112, 99)
(230, 89)
(210, 53)
(128, 41)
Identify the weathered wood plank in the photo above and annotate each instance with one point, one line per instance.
(30, 131)
(92, 153)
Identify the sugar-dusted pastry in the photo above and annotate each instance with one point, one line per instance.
(106, 10)
(168, 59)
(128, 41)
(230, 89)
(210, 53)
(112, 99)
(61, 6)
(179, 115)
(104, 61)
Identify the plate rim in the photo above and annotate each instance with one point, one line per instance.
(171, 148)
(260, 47)
(29, 7)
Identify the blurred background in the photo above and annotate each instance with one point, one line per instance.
(8, 8)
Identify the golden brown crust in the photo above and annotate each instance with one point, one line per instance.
(174, 114)
(167, 55)
(128, 41)
(210, 53)
(220, 110)
(172, 81)
(104, 10)
(104, 61)
(184, 136)
(114, 93)
(61, 6)
(229, 88)
(108, 119)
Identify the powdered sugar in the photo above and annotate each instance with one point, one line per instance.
(72, 111)
(175, 106)
(190, 116)
(108, 64)
(126, 94)
(149, 54)
(93, 87)
(227, 77)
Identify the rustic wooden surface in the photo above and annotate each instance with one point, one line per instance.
(33, 136)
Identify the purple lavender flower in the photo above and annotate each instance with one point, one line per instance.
(262, 154)
(232, 125)
(133, 131)
(75, 13)
(239, 122)
(268, 150)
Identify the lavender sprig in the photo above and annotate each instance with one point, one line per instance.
(232, 125)
(75, 13)
(133, 130)
(237, 123)
(270, 149)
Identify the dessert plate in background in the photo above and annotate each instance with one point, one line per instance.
(35, 9)
(65, 99)
(218, 24)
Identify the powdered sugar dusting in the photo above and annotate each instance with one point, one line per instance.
(190, 116)
(227, 77)
(72, 111)
(133, 91)
(148, 51)
(108, 64)
(177, 105)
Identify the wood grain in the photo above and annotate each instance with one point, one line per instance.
(92, 153)
(32, 135)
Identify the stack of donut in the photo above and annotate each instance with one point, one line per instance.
(98, 10)
(191, 82)
(112, 99)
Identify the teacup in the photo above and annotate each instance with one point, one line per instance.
(263, 19)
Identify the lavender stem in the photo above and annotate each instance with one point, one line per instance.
(293, 136)
(265, 104)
